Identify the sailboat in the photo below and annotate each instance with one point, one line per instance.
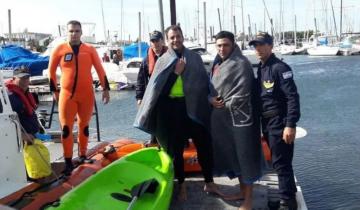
(324, 46)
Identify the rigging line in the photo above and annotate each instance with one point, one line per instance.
(267, 11)
(268, 15)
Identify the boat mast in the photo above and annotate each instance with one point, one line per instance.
(281, 25)
(102, 13)
(315, 33)
(332, 8)
(234, 25)
(282, 20)
(218, 10)
(121, 23)
(243, 26)
(139, 39)
(59, 29)
(198, 21)
(9, 17)
(223, 19)
(250, 33)
(270, 19)
(232, 13)
(340, 18)
(205, 34)
(264, 19)
(172, 12)
(161, 16)
(295, 37)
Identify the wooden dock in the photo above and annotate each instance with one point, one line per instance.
(265, 195)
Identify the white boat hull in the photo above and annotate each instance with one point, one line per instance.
(323, 51)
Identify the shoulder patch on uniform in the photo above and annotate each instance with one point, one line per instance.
(287, 75)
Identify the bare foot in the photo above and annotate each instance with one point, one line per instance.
(234, 197)
(247, 205)
(182, 194)
(211, 187)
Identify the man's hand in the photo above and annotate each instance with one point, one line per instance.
(217, 102)
(28, 138)
(180, 66)
(289, 135)
(56, 96)
(138, 102)
(106, 96)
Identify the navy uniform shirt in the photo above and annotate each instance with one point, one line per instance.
(29, 123)
(278, 90)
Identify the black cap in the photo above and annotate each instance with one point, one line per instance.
(21, 72)
(156, 36)
(262, 38)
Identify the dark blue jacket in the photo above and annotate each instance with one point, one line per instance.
(278, 90)
(143, 77)
(29, 123)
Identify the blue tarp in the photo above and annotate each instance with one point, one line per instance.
(12, 56)
(323, 40)
(132, 51)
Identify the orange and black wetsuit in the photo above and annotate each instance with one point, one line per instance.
(76, 93)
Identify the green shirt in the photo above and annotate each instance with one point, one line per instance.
(177, 88)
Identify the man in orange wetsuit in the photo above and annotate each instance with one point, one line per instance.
(76, 95)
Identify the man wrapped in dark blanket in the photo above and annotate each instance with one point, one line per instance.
(175, 107)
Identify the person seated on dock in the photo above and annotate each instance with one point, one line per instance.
(76, 95)
(235, 119)
(24, 103)
(175, 107)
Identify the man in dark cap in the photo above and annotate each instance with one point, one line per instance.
(157, 49)
(280, 109)
(23, 103)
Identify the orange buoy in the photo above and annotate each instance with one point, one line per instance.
(123, 147)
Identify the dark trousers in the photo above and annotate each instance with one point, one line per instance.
(281, 154)
(179, 129)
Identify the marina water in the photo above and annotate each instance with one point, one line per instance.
(327, 160)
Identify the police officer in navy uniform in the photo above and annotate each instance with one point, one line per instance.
(280, 109)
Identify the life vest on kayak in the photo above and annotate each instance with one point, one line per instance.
(123, 147)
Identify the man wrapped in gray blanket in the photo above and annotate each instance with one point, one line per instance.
(235, 126)
(175, 107)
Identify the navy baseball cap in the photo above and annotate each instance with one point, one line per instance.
(156, 36)
(21, 72)
(262, 38)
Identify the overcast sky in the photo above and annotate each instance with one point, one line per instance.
(45, 15)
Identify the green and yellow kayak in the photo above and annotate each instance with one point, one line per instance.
(138, 181)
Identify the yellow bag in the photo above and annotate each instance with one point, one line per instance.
(37, 160)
